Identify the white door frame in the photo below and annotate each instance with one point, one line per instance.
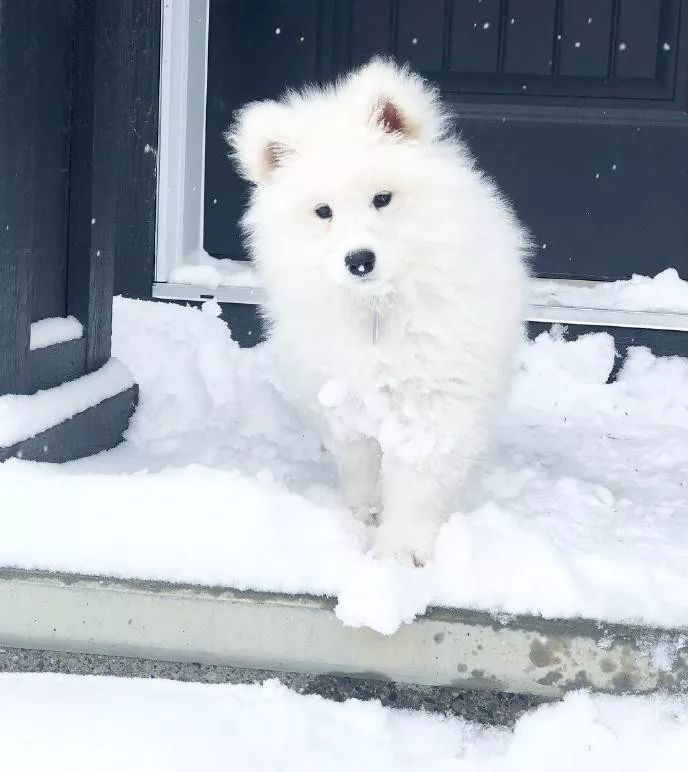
(181, 149)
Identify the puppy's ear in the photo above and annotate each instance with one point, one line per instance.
(389, 118)
(399, 101)
(257, 140)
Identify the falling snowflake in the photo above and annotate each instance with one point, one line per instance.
(622, 46)
(666, 47)
(486, 25)
(278, 30)
(577, 44)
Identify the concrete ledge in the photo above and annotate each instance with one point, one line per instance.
(301, 634)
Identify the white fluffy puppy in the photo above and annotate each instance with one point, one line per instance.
(394, 275)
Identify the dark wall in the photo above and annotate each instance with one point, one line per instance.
(78, 103)
(137, 74)
(51, 137)
(38, 42)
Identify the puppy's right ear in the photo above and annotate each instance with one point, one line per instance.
(256, 140)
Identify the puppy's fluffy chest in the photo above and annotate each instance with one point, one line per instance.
(383, 344)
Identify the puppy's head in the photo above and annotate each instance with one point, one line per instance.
(343, 177)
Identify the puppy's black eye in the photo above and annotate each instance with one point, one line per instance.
(381, 199)
(324, 212)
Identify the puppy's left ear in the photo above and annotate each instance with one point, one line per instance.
(400, 102)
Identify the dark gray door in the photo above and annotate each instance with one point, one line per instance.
(577, 107)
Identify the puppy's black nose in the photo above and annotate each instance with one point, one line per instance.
(361, 262)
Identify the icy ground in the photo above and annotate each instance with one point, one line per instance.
(580, 507)
(94, 724)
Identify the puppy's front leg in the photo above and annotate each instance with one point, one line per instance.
(414, 502)
(358, 462)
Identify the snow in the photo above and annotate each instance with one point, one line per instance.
(213, 273)
(97, 724)
(202, 275)
(23, 416)
(666, 292)
(579, 508)
(59, 329)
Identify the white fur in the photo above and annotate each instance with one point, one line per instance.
(405, 414)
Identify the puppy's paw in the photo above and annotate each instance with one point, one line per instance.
(366, 515)
(408, 545)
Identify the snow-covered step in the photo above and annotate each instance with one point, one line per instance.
(70, 420)
(23, 416)
(300, 633)
(53, 330)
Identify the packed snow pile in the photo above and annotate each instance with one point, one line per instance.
(93, 724)
(580, 507)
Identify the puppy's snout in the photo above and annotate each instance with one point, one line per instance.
(360, 263)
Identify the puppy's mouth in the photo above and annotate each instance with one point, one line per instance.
(371, 286)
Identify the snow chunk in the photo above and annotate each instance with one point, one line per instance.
(58, 329)
(212, 273)
(203, 275)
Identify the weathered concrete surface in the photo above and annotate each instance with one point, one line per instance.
(480, 706)
(456, 649)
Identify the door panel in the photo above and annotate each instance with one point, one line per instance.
(637, 39)
(528, 33)
(420, 33)
(577, 108)
(586, 36)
